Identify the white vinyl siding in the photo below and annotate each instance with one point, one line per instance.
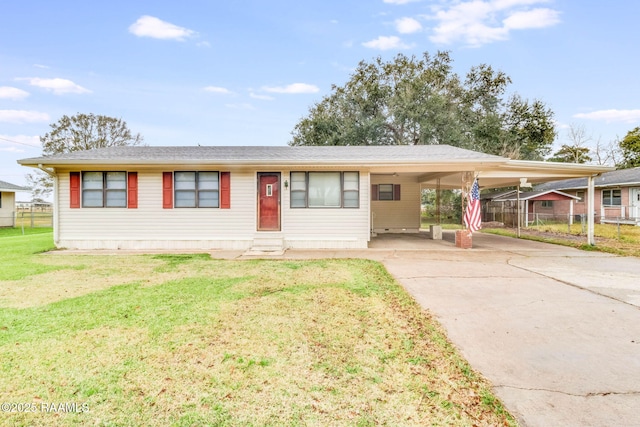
(396, 215)
(152, 227)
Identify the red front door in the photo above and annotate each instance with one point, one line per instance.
(268, 201)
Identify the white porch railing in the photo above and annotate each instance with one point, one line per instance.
(626, 214)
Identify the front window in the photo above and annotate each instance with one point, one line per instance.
(325, 189)
(612, 197)
(104, 189)
(197, 189)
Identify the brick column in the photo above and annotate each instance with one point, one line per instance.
(464, 239)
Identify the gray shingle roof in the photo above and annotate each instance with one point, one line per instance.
(269, 154)
(8, 186)
(607, 179)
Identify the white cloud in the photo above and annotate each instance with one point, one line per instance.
(478, 22)
(218, 89)
(7, 92)
(150, 26)
(399, 1)
(292, 88)
(385, 43)
(536, 18)
(45, 67)
(407, 25)
(263, 97)
(57, 86)
(609, 116)
(22, 116)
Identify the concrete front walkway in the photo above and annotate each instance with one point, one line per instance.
(556, 330)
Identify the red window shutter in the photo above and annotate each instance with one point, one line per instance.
(132, 190)
(396, 191)
(74, 190)
(167, 190)
(225, 190)
(374, 192)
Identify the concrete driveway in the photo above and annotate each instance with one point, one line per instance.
(556, 330)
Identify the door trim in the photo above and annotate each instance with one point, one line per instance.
(278, 188)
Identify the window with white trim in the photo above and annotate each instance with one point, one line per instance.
(197, 189)
(611, 197)
(104, 189)
(547, 204)
(325, 189)
(581, 195)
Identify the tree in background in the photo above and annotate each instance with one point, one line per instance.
(576, 151)
(416, 101)
(571, 154)
(76, 133)
(607, 154)
(630, 147)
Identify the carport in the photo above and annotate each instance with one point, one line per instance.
(396, 188)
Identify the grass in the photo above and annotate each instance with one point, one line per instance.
(626, 242)
(186, 340)
(17, 252)
(18, 231)
(445, 226)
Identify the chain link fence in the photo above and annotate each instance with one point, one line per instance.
(26, 219)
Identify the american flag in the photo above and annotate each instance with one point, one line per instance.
(472, 217)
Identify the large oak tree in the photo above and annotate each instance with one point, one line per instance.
(410, 101)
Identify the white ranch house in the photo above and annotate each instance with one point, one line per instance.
(221, 197)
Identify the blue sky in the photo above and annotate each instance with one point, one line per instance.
(244, 72)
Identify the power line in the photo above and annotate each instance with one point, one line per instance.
(18, 142)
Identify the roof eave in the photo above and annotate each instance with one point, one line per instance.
(39, 162)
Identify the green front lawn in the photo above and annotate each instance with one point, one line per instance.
(187, 340)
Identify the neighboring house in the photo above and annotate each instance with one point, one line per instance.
(8, 203)
(535, 206)
(249, 197)
(617, 195)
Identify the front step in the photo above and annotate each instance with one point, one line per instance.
(267, 245)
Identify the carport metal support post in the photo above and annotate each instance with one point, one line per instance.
(591, 206)
(518, 209)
